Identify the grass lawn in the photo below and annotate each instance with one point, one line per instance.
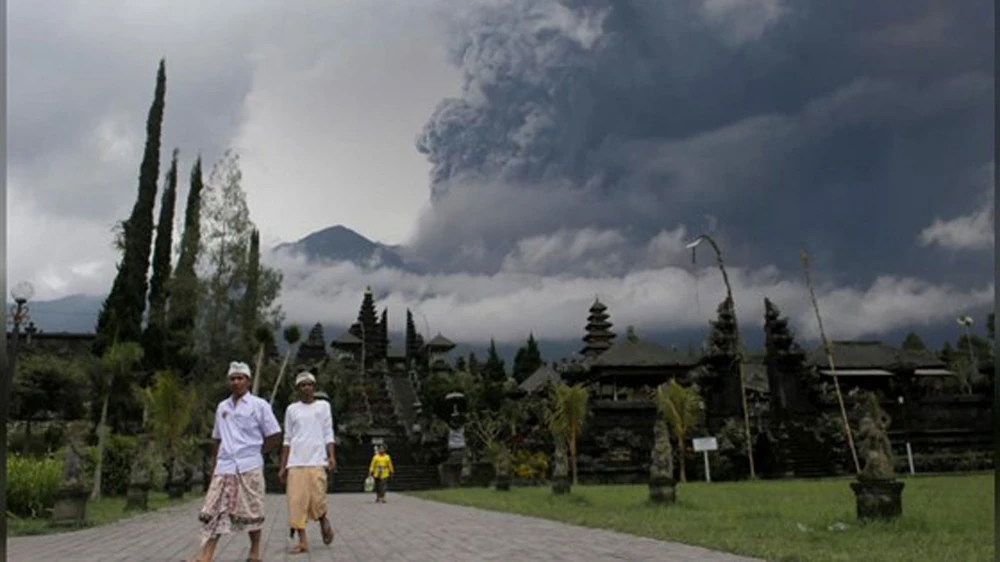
(944, 517)
(107, 510)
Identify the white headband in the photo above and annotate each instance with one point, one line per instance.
(305, 376)
(237, 368)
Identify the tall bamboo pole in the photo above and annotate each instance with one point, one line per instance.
(829, 358)
(739, 343)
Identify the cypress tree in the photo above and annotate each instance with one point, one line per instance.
(250, 317)
(182, 314)
(912, 342)
(412, 351)
(154, 346)
(120, 318)
(494, 375)
(527, 360)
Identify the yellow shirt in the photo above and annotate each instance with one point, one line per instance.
(381, 466)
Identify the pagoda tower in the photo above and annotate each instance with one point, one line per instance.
(599, 335)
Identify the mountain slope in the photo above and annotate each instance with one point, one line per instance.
(339, 243)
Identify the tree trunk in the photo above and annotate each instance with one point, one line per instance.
(683, 457)
(256, 379)
(572, 454)
(102, 429)
(281, 374)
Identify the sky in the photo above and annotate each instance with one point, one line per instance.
(537, 153)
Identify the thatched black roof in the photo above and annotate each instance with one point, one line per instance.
(541, 376)
(873, 355)
(643, 353)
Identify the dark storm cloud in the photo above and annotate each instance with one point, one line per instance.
(844, 126)
(81, 81)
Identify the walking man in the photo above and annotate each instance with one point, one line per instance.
(245, 430)
(309, 452)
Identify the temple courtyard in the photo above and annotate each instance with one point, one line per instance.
(405, 529)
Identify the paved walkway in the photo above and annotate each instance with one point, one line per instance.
(405, 529)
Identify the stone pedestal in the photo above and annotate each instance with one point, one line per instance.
(502, 483)
(451, 474)
(71, 506)
(137, 497)
(878, 499)
(662, 490)
(176, 488)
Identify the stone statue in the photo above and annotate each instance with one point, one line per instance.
(73, 470)
(877, 494)
(142, 465)
(560, 469)
(873, 440)
(662, 486)
(662, 465)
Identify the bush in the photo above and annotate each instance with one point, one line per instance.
(119, 452)
(118, 455)
(32, 485)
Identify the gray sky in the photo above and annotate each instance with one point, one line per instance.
(572, 148)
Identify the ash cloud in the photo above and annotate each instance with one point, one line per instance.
(787, 121)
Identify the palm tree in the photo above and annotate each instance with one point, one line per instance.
(566, 416)
(117, 361)
(292, 337)
(681, 407)
(170, 408)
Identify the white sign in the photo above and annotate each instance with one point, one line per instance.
(705, 444)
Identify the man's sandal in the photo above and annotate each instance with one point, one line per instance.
(327, 532)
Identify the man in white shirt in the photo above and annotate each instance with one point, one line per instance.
(309, 452)
(245, 430)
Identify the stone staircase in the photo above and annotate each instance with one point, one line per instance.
(387, 403)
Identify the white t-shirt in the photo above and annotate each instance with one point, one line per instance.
(308, 429)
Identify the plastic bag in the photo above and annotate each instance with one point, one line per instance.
(369, 484)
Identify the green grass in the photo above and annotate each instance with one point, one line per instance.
(102, 512)
(944, 517)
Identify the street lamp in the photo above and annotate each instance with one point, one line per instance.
(739, 340)
(967, 322)
(21, 293)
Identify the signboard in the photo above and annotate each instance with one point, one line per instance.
(705, 444)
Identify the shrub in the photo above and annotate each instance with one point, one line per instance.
(32, 484)
(118, 456)
(531, 466)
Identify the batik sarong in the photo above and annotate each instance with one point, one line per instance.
(234, 503)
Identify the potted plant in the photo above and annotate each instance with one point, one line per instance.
(877, 493)
(560, 470)
(662, 486)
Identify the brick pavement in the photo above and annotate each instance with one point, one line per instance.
(405, 529)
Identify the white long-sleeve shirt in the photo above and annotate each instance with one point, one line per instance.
(308, 430)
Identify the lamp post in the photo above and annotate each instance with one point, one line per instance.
(21, 293)
(967, 322)
(739, 340)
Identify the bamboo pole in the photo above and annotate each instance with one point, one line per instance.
(739, 344)
(829, 358)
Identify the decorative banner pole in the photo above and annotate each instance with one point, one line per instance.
(829, 358)
(739, 342)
